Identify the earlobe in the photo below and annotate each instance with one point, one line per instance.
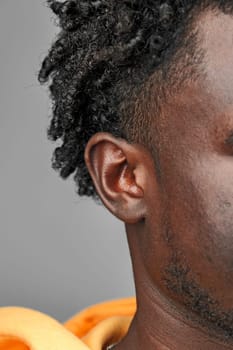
(118, 173)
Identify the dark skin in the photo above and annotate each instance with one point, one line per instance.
(180, 226)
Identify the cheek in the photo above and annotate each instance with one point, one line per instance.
(214, 197)
(200, 207)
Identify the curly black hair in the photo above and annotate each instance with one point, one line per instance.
(100, 67)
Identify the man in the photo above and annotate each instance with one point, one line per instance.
(143, 102)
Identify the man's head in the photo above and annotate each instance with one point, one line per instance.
(145, 88)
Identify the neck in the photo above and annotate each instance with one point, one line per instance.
(159, 324)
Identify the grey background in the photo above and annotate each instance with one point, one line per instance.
(58, 253)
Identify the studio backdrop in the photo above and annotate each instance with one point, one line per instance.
(58, 253)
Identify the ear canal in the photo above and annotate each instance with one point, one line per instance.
(129, 182)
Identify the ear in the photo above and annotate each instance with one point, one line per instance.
(120, 175)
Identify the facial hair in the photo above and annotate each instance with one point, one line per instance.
(204, 309)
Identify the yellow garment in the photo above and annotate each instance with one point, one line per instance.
(92, 329)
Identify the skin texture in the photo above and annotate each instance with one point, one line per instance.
(179, 228)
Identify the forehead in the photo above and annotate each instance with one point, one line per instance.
(202, 110)
(216, 38)
(209, 97)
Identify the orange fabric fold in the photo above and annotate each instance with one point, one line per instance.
(85, 320)
(92, 329)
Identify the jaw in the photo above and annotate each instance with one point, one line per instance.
(162, 323)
